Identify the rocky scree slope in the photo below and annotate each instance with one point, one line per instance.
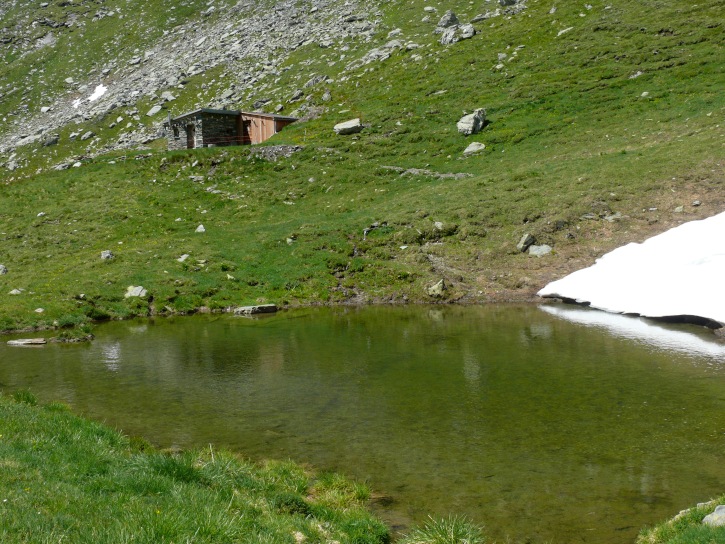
(249, 40)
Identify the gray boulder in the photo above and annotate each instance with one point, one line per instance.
(252, 310)
(437, 290)
(448, 20)
(88, 135)
(466, 31)
(106, 255)
(472, 123)
(717, 518)
(540, 251)
(449, 36)
(153, 111)
(526, 241)
(507, 2)
(348, 127)
(3, 270)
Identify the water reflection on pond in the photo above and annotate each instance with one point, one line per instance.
(534, 425)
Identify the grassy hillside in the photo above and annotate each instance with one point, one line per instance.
(604, 127)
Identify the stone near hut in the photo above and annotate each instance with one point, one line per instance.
(717, 518)
(135, 291)
(526, 241)
(3, 270)
(540, 251)
(472, 123)
(348, 127)
(166, 96)
(437, 290)
(474, 147)
(153, 111)
(107, 255)
(258, 309)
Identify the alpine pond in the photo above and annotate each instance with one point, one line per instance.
(542, 424)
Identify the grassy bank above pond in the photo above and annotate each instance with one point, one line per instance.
(66, 479)
(686, 527)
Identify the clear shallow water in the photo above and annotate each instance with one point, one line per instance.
(540, 427)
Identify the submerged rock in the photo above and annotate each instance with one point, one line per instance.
(252, 310)
(27, 342)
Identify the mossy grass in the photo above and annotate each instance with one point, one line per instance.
(64, 478)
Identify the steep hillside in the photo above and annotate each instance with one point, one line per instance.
(604, 125)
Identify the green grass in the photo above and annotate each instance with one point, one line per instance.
(63, 478)
(686, 528)
(451, 530)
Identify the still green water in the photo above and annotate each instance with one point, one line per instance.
(544, 425)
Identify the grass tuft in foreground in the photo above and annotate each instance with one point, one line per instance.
(686, 528)
(63, 478)
(451, 530)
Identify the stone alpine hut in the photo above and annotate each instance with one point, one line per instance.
(207, 127)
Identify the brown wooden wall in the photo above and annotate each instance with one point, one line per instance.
(261, 128)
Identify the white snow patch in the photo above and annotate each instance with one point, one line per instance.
(639, 330)
(98, 92)
(678, 272)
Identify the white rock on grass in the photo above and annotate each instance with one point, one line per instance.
(200, 229)
(135, 291)
(676, 273)
(717, 518)
(3, 270)
(348, 127)
(472, 123)
(474, 147)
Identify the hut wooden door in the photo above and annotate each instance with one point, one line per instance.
(190, 136)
